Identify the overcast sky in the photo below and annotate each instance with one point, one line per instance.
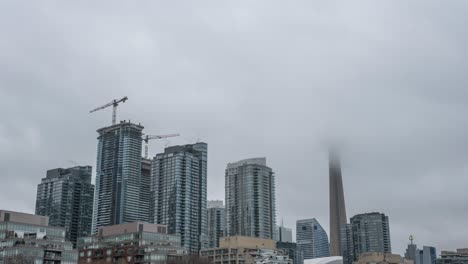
(280, 79)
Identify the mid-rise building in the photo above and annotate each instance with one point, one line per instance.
(215, 215)
(382, 258)
(290, 249)
(337, 204)
(119, 181)
(366, 233)
(136, 242)
(250, 199)
(453, 257)
(28, 238)
(66, 197)
(179, 193)
(247, 250)
(311, 239)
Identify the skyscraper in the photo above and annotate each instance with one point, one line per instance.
(250, 199)
(337, 204)
(284, 234)
(118, 176)
(178, 187)
(216, 222)
(145, 194)
(365, 233)
(66, 197)
(425, 256)
(311, 239)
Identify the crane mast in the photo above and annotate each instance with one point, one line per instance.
(114, 103)
(147, 138)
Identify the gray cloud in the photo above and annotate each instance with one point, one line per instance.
(263, 78)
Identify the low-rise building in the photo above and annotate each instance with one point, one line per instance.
(28, 238)
(135, 242)
(453, 257)
(246, 250)
(290, 249)
(382, 258)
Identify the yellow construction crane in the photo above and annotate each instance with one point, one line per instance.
(114, 105)
(149, 137)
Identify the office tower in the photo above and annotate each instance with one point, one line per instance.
(311, 239)
(136, 242)
(250, 199)
(365, 233)
(145, 194)
(337, 204)
(118, 176)
(284, 234)
(66, 197)
(216, 222)
(290, 249)
(28, 238)
(453, 257)
(179, 191)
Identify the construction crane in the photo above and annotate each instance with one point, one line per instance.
(149, 137)
(114, 104)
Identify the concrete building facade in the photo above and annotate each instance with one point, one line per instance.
(66, 197)
(337, 204)
(460, 256)
(119, 183)
(250, 199)
(311, 239)
(178, 190)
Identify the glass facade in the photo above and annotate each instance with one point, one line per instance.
(178, 191)
(312, 240)
(66, 197)
(250, 199)
(119, 182)
(216, 224)
(366, 233)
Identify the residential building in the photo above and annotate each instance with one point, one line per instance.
(66, 197)
(311, 239)
(246, 250)
(146, 203)
(119, 182)
(453, 257)
(136, 242)
(366, 233)
(250, 199)
(28, 238)
(290, 249)
(337, 204)
(216, 222)
(382, 258)
(179, 192)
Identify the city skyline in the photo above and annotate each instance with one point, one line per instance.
(387, 80)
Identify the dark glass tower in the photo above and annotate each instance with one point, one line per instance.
(178, 190)
(66, 197)
(337, 205)
(119, 181)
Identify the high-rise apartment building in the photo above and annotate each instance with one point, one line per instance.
(250, 199)
(119, 183)
(365, 233)
(178, 190)
(311, 239)
(145, 194)
(66, 197)
(337, 204)
(216, 222)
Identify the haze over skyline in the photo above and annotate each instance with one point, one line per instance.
(268, 79)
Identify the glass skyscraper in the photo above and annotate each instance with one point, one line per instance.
(119, 182)
(311, 238)
(216, 219)
(178, 190)
(365, 233)
(66, 197)
(250, 199)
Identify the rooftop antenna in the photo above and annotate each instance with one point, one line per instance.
(411, 238)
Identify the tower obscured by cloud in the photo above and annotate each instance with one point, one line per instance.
(337, 204)
(118, 176)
